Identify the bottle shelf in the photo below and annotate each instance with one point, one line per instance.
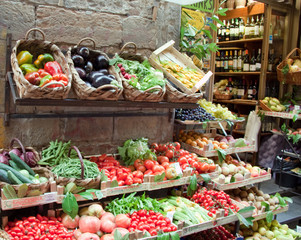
(240, 41)
(256, 9)
(236, 73)
(238, 101)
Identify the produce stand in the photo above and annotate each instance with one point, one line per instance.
(283, 115)
(264, 215)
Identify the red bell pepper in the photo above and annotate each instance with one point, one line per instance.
(61, 78)
(53, 68)
(33, 77)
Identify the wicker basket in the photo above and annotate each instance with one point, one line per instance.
(174, 95)
(85, 183)
(4, 235)
(82, 90)
(37, 47)
(154, 94)
(223, 96)
(264, 106)
(291, 77)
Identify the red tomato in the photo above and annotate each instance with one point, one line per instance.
(149, 164)
(141, 168)
(165, 165)
(162, 147)
(154, 146)
(138, 174)
(148, 172)
(212, 167)
(155, 162)
(205, 167)
(162, 159)
(177, 145)
(158, 168)
(138, 162)
(122, 176)
(169, 154)
(137, 180)
(182, 160)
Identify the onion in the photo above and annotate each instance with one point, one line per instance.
(30, 159)
(16, 151)
(3, 159)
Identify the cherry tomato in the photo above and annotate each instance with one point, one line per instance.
(154, 146)
(158, 168)
(169, 154)
(177, 145)
(165, 165)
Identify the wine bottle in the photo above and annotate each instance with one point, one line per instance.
(223, 31)
(252, 29)
(247, 29)
(235, 61)
(232, 30)
(236, 27)
(246, 66)
(227, 38)
(258, 61)
(217, 62)
(254, 89)
(226, 62)
(230, 62)
(239, 62)
(241, 29)
(257, 28)
(271, 60)
(253, 62)
(222, 69)
(261, 27)
(250, 91)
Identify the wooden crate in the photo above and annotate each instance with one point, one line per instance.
(168, 52)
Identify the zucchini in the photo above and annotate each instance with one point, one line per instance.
(12, 177)
(16, 173)
(21, 164)
(3, 176)
(14, 165)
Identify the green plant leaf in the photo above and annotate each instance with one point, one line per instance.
(103, 176)
(266, 205)
(287, 199)
(232, 180)
(98, 193)
(246, 221)
(117, 235)
(174, 236)
(270, 216)
(221, 155)
(246, 209)
(215, 18)
(207, 33)
(70, 205)
(193, 182)
(206, 177)
(159, 177)
(213, 27)
(146, 234)
(295, 117)
(282, 202)
(86, 195)
(126, 236)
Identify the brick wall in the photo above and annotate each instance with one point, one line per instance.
(111, 24)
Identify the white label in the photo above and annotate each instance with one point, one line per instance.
(232, 32)
(258, 66)
(250, 91)
(270, 66)
(256, 30)
(246, 67)
(176, 165)
(236, 31)
(226, 66)
(230, 63)
(239, 63)
(241, 92)
(234, 63)
(298, 229)
(247, 31)
(252, 68)
(170, 215)
(210, 146)
(241, 28)
(261, 30)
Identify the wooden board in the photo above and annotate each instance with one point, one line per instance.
(245, 182)
(255, 9)
(169, 53)
(264, 215)
(197, 228)
(283, 115)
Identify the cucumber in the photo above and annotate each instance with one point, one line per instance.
(16, 173)
(14, 165)
(3, 176)
(12, 177)
(21, 164)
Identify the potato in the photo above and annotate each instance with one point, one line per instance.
(254, 189)
(236, 191)
(243, 194)
(266, 196)
(251, 197)
(271, 202)
(260, 193)
(259, 199)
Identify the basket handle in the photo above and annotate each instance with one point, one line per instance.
(35, 30)
(126, 45)
(288, 55)
(154, 88)
(51, 83)
(80, 159)
(87, 39)
(21, 145)
(108, 86)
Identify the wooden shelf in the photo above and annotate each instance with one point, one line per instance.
(242, 132)
(230, 48)
(236, 73)
(240, 41)
(238, 101)
(256, 9)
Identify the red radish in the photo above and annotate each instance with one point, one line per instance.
(122, 231)
(88, 236)
(122, 221)
(108, 216)
(77, 233)
(70, 223)
(122, 69)
(119, 65)
(107, 237)
(107, 225)
(89, 224)
(126, 76)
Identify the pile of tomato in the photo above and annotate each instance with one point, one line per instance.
(213, 200)
(174, 153)
(150, 221)
(217, 233)
(39, 227)
(114, 171)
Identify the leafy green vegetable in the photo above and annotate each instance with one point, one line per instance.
(70, 205)
(240, 143)
(135, 149)
(145, 76)
(221, 155)
(133, 203)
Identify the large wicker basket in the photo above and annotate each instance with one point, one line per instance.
(4, 235)
(82, 90)
(154, 94)
(174, 95)
(37, 47)
(89, 183)
(291, 77)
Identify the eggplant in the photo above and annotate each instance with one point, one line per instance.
(93, 75)
(101, 62)
(78, 60)
(104, 71)
(101, 80)
(112, 76)
(89, 67)
(84, 52)
(81, 72)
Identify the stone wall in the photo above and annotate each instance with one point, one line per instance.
(111, 24)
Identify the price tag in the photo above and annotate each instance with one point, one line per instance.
(178, 168)
(297, 107)
(210, 146)
(298, 229)
(170, 215)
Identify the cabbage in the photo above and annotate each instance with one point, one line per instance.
(135, 149)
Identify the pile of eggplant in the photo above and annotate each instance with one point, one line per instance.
(92, 67)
